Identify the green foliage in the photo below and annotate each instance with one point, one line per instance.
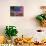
(41, 17)
(11, 31)
(45, 17)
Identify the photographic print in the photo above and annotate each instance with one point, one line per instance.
(16, 10)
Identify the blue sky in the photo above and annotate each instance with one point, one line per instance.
(16, 8)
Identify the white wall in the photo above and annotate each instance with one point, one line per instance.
(26, 25)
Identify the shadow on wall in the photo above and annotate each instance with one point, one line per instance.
(34, 22)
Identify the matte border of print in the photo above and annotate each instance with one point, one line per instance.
(16, 11)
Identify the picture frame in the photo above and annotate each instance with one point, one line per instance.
(16, 10)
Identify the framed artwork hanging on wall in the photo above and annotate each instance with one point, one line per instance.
(16, 10)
